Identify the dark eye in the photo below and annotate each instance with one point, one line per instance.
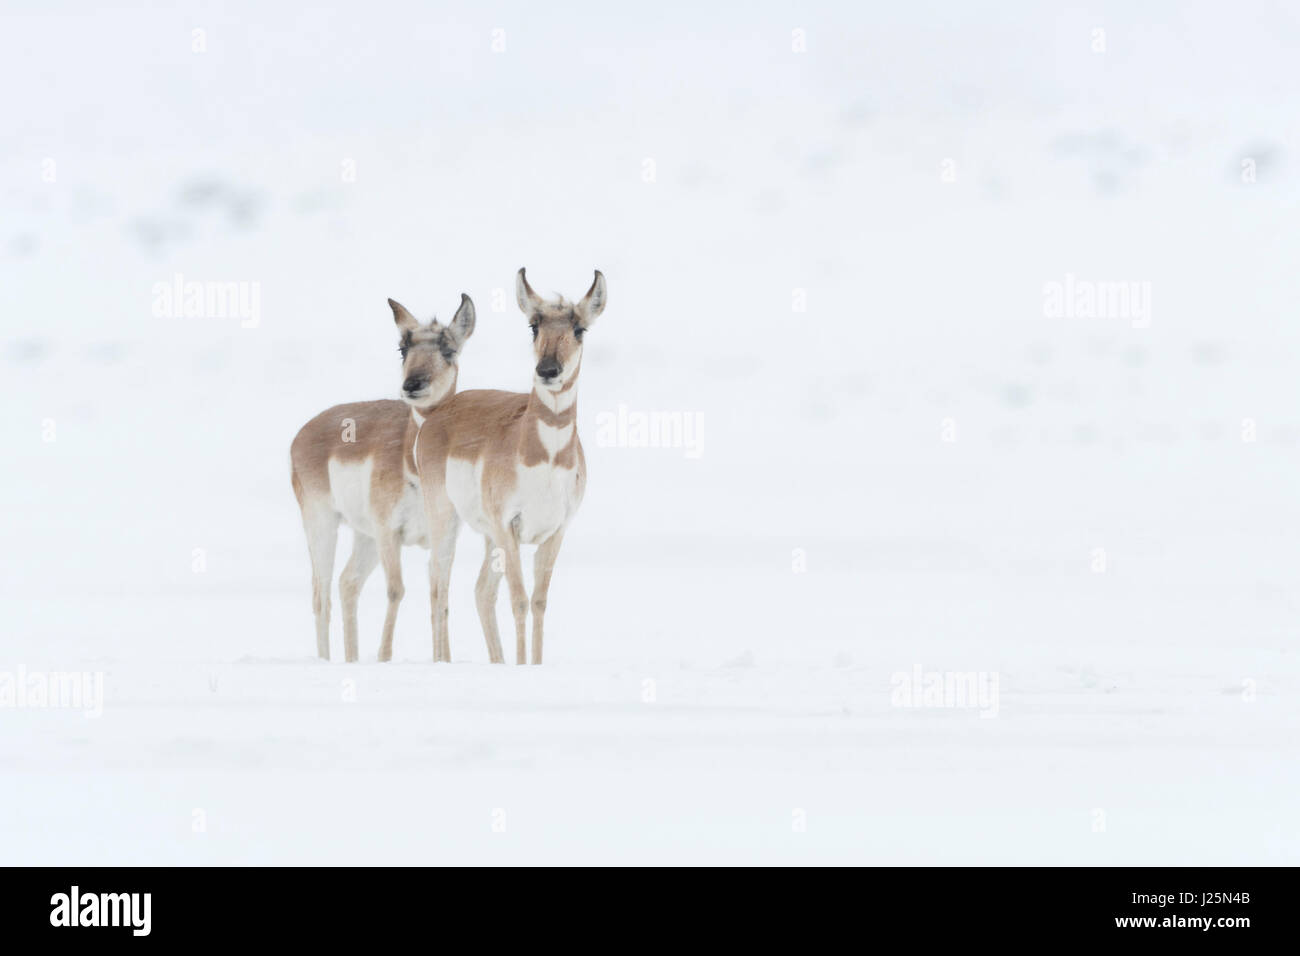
(534, 328)
(578, 331)
(402, 349)
(447, 356)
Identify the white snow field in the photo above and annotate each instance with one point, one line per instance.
(835, 251)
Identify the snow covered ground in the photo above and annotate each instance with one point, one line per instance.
(839, 262)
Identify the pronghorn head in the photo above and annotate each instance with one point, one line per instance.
(558, 327)
(429, 353)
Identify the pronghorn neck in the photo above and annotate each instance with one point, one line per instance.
(543, 401)
(421, 413)
(418, 417)
(550, 425)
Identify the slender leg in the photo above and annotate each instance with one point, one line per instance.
(390, 554)
(509, 544)
(440, 512)
(444, 550)
(485, 597)
(433, 608)
(322, 527)
(543, 565)
(445, 556)
(364, 557)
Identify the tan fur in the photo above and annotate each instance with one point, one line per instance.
(375, 441)
(498, 429)
(389, 432)
(490, 436)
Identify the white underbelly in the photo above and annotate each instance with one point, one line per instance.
(409, 520)
(350, 489)
(465, 489)
(544, 499)
(542, 502)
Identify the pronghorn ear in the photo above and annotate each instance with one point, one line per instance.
(593, 303)
(462, 323)
(405, 321)
(529, 301)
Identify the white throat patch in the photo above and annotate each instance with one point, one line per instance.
(554, 439)
(415, 445)
(556, 401)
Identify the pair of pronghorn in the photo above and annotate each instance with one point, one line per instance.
(509, 465)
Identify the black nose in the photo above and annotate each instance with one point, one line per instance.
(416, 383)
(548, 368)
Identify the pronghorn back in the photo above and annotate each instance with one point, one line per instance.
(361, 479)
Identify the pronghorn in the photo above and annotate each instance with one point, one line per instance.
(354, 463)
(510, 466)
